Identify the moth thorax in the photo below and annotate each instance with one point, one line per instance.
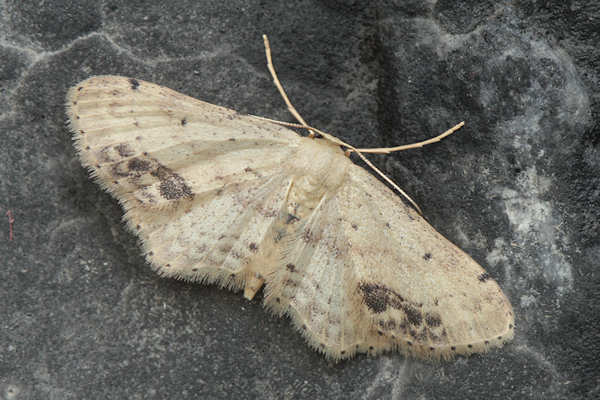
(320, 166)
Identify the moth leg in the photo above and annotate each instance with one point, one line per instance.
(253, 285)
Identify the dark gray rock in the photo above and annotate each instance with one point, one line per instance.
(82, 315)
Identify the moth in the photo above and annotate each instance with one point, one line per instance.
(228, 199)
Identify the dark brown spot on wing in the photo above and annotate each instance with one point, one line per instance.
(124, 150)
(413, 315)
(308, 236)
(175, 188)
(291, 219)
(433, 319)
(172, 186)
(375, 297)
(290, 283)
(139, 165)
(484, 277)
(387, 325)
(134, 83)
(378, 298)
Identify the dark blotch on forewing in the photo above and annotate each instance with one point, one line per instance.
(433, 319)
(378, 298)
(413, 315)
(139, 165)
(375, 296)
(172, 186)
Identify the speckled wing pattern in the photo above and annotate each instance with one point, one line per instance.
(401, 285)
(223, 198)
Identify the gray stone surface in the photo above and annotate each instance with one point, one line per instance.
(82, 315)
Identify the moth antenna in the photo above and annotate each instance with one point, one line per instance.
(283, 123)
(372, 166)
(325, 135)
(387, 150)
(271, 68)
